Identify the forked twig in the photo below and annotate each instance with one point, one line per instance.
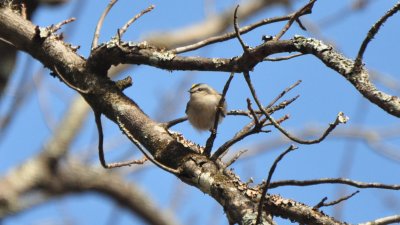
(270, 173)
(256, 125)
(100, 24)
(341, 118)
(295, 17)
(372, 32)
(213, 135)
(283, 93)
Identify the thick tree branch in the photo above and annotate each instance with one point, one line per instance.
(142, 53)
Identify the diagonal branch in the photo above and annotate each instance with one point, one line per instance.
(373, 31)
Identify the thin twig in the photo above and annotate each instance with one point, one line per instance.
(341, 118)
(255, 117)
(234, 158)
(58, 26)
(304, 10)
(372, 32)
(236, 27)
(143, 150)
(270, 173)
(349, 182)
(213, 135)
(127, 163)
(323, 204)
(230, 35)
(126, 26)
(100, 23)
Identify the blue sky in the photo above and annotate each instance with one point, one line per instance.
(323, 93)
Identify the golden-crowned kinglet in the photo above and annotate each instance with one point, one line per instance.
(202, 106)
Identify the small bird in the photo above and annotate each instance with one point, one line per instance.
(202, 106)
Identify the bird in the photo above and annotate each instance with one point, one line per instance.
(202, 107)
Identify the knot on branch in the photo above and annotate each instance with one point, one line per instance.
(124, 83)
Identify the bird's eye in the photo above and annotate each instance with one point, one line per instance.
(200, 89)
